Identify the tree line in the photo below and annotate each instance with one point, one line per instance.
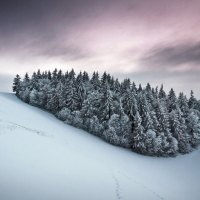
(147, 120)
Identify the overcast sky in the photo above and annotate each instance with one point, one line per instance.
(154, 41)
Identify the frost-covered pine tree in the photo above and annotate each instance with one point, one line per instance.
(169, 143)
(139, 135)
(121, 126)
(117, 87)
(90, 109)
(179, 131)
(193, 128)
(24, 93)
(171, 100)
(144, 109)
(53, 103)
(72, 101)
(16, 85)
(106, 104)
(183, 105)
(34, 98)
(192, 100)
(80, 89)
(95, 81)
(161, 94)
(163, 117)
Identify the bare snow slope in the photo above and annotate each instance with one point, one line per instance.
(41, 158)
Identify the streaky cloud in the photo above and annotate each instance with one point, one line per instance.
(173, 56)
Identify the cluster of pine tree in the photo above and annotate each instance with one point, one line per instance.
(147, 120)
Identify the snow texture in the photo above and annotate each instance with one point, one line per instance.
(41, 158)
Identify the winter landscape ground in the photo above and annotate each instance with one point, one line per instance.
(41, 158)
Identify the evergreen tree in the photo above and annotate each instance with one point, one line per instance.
(192, 101)
(183, 105)
(95, 81)
(81, 91)
(26, 78)
(134, 88)
(34, 82)
(117, 87)
(72, 101)
(139, 88)
(34, 97)
(59, 75)
(163, 117)
(85, 77)
(39, 76)
(106, 106)
(148, 87)
(144, 109)
(153, 143)
(24, 93)
(162, 94)
(53, 103)
(104, 80)
(49, 75)
(90, 111)
(130, 107)
(120, 128)
(171, 100)
(178, 129)
(125, 86)
(139, 135)
(16, 85)
(193, 128)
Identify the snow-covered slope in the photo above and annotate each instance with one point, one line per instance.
(41, 158)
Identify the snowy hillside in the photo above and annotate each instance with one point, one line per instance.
(41, 158)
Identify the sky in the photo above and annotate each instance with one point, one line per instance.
(155, 41)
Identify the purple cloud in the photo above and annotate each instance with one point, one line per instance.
(173, 56)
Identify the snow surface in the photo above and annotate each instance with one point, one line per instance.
(41, 158)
